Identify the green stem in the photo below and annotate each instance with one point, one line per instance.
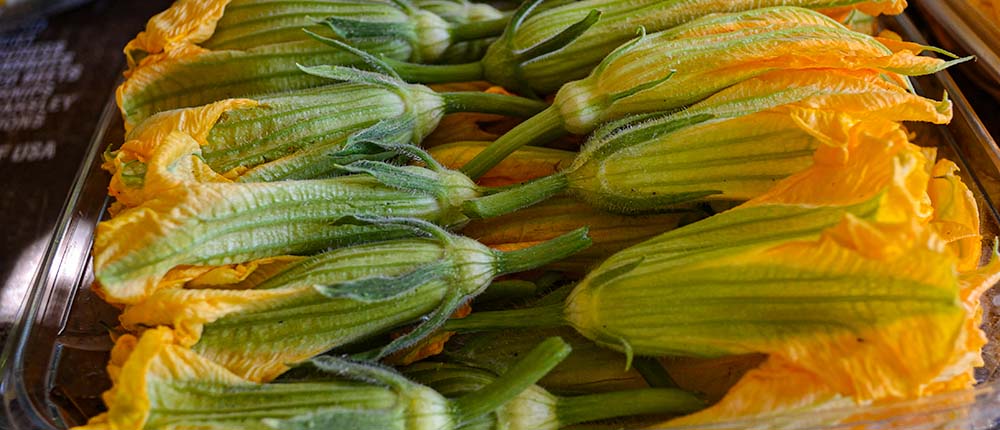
(544, 253)
(645, 401)
(436, 73)
(471, 101)
(478, 29)
(518, 377)
(536, 317)
(545, 126)
(653, 372)
(515, 198)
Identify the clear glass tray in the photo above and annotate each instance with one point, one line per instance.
(53, 363)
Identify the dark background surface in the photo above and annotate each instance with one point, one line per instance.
(56, 75)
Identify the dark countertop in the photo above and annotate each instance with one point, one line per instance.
(56, 75)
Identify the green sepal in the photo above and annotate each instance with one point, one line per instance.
(433, 321)
(351, 28)
(382, 288)
(350, 74)
(395, 176)
(610, 275)
(640, 88)
(630, 131)
(417, 226)
(372, 61)
(362, 372)
(561, 39)
(621, 50)
(379, 140)
(391, 135)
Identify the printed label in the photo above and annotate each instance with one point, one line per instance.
(31, 73)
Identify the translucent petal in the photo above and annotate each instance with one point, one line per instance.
(956, 215)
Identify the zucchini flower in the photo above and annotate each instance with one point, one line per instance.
(298, 135)
(660, 71)
(197, 217)
(765, 397)
(201, 51)
(160, 385)
(732, 146)
(338, 297)
(537, 409)
(539, 52)
(837, 273)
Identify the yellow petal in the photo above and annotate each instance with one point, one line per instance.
(876, 157)
(244, 275)
(865, 94)
(154, 359)
(173, 167)
(185, 22)
(145, 145)
(239, 276)
(956, 215)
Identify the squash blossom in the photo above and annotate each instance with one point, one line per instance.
(196, 217)
(160, 385)
(537, 409)
(732, 146)
(562, 42)
(662, 71)
(954, 212)
(201, 51)
(300, 134)
(809, 391)
(338, 297)
(837, 271)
